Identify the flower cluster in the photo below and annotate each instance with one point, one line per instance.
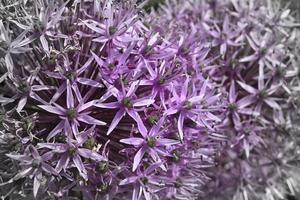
(100, 100)
(253, 59)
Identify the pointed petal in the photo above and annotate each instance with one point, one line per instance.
(19, 157)
(138, 157)
(86, 153)
(36, 186)
(56, 130)
(249, 58)
(143, 102)
(128, 180)
(79, 165)
(48, 169)
(59, 92)
(246, 101)
(93, 26)
(203, 89)
(89, 82)
(99, 61)
(180, 125)
(57, 147)
(21, 104)
(9, 63)
(90, 120)
(273, 104)
(41, 87)
(133, 141)
(248, 88)
(23, 173)
(184, 89)
(152, 167)
(44, 43)
(119, 115)
(85, 66)
(134, 115)
(132, 89)
(111, 105)
(86, 106)
(232, 93)
(166, 142)
(62, 163)
(52, 109)
(70, 97)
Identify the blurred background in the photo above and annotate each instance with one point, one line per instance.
(293, 4)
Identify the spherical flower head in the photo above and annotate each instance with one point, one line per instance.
(106, 103)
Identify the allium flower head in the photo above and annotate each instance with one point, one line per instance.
(102, 100)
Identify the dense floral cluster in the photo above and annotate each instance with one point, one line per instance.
(100, 100)
(253, 57)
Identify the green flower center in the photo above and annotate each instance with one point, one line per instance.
(127, 102)
(103, 188)
(61, 138)
(28, 124)
(178, 183)
(24, 88)
(148, 50)
(90, 143)
(112, 30)
(72, 113)
(152, 119)
(36, 163)
(263, 94)
(188, 105)
(232, 107)
(70, 75)
(185, 50)
(145, 180)
(151, 141)
(72, 151)
(176, 156)
(162, 81)
(279, 73)
(111, 66)
(263, 51)
(102, 167)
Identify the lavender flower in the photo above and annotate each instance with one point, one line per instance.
(101, 100)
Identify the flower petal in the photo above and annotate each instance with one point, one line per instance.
(56, 130)
(36, 185)
(166, 142)
(89, 82)
(62, 163)
(138, 157)
(90, 120)
(21, 104)
(79, 165)
(128, 180)
(86, 153)
(140, 124)
(119, 115)
(248, 88)
(180, 125)
(133, 141)
(52, 109)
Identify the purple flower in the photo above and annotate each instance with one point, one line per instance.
(142, 182)
(151, 142)
(261, 95)
(239, 107)
(70, 152)
(33, 165)
(191, 104)
(200, 96)
(126, 103)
